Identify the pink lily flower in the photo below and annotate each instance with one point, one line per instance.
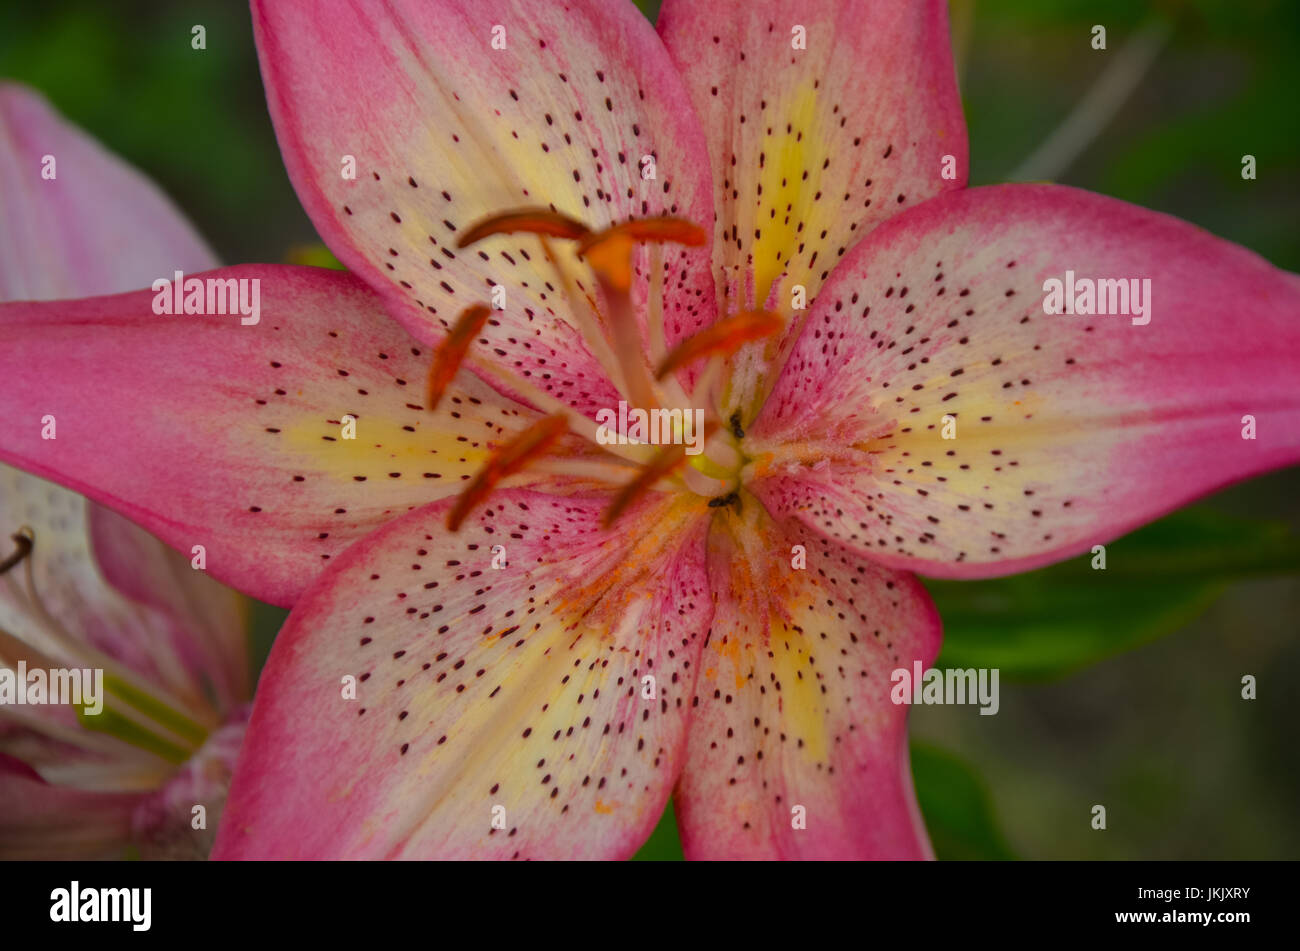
(82, 588)
(511, 638)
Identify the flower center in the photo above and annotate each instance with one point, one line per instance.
(685, 442)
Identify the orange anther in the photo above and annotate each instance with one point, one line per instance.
(609, 252)
(530, 220)
(726, 336)
(507, 460)
(611, 259)
(642, 230)
(451, 353)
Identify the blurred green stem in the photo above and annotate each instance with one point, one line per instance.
(1097, 107)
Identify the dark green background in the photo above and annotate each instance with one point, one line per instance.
(1107, 709)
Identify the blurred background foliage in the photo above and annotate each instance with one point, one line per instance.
(1097, 705)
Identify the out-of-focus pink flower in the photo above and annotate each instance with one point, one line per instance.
(83, 588)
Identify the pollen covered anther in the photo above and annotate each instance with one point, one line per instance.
(509, 459)
(451, 354)
(726, 336)
(528, 220)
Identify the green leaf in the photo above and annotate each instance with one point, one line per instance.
(664, 844)
(957, 808)
(1050, 622)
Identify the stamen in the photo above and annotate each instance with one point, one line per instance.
(655, 318)
(509, 459)
(23, 538)
(724, 337)
(585, 315)
(628, 348)
(667, 461)
(530, 220)
(609, 252)
(703, 485)
(608, 470)
(614, 338)
(662, 230)
(451, 353)
(674, 393)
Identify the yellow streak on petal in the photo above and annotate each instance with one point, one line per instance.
(781, 178)
(382, 446)
(766, 588)
(802, 702)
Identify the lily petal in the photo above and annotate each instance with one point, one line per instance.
(207, 432)
(812, 148)
(518, 695)
(1068, 430)
(93, 226)
(486, 106)
(795, 748)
